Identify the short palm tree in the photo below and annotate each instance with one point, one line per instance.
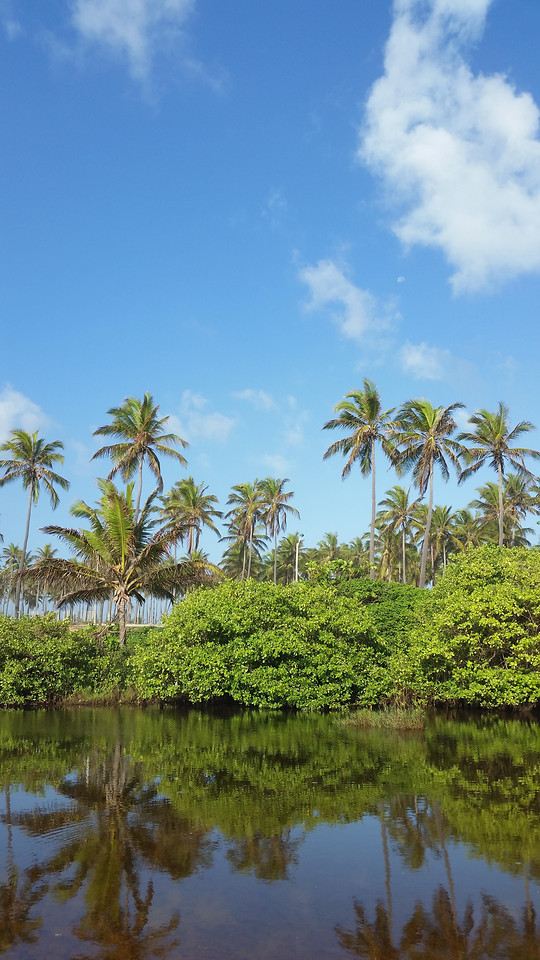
(513, 511)
(467, 530)
(366, 424)
(120, 554)
(442, 523)
(189, 503)
(492, 442)
(398, 514)
(275, 508)
(31, 461)
(422, 438)
(139, 435)
(328, 548)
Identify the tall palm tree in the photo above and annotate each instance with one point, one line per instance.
(247, 509)
(189, 503)
(492, 442)
(31, 461)
(139, 434)
(119, 555)
(399, 515)
(422, 440)
(275, 508)
(362, 416)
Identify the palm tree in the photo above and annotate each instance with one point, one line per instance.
(44, 553)
(138, 430)
(492, 441)
(399, 516)
(488, 503)
(31, 462)
(422, 439)
(442, 523)
(275, 508)
(328, 548)
(247, 509)
(466, 531)
(290, 551)
(189, 504)
(119, 555)
(361, 415)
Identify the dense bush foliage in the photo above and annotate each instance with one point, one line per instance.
(42, 661)
(329, 642)
(302, 646)
(478, 640)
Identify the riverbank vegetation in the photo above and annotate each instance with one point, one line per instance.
(324, 627)
(335, 641)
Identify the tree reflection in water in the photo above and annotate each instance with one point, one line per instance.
(116, 826)
(439, 934)
(268, 857)
(18, 895)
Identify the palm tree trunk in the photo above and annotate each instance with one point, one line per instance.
(250, 551)
(275, 554)
(404, 574)
(121, 606)
(139, 491)
(425, 545)
(373, 512)
(23, 556)
(501, 520)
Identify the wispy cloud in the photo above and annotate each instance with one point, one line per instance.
(195, 421)
(132, 30)
(258, 398)
(275, 209)
(425, 362)
(460, 150)
(278, 464)
(356, 312)
(18, 412)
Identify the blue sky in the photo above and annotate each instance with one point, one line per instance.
(245, 208)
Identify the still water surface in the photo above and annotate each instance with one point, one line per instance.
(131, 835)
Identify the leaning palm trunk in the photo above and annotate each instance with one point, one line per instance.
(425, 544)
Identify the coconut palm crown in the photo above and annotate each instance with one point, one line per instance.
(139, 434)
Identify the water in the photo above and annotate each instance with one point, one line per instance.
(131, 835)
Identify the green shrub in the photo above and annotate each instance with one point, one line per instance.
(478, 640)
(302, 646)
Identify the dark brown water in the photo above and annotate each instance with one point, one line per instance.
(131, 835)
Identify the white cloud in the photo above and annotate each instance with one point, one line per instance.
(259, 398)
(460, 151)
(195, 422)
(425, 362)
(358, 312)
(132, 29)
(279, 465)
(18, 412)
